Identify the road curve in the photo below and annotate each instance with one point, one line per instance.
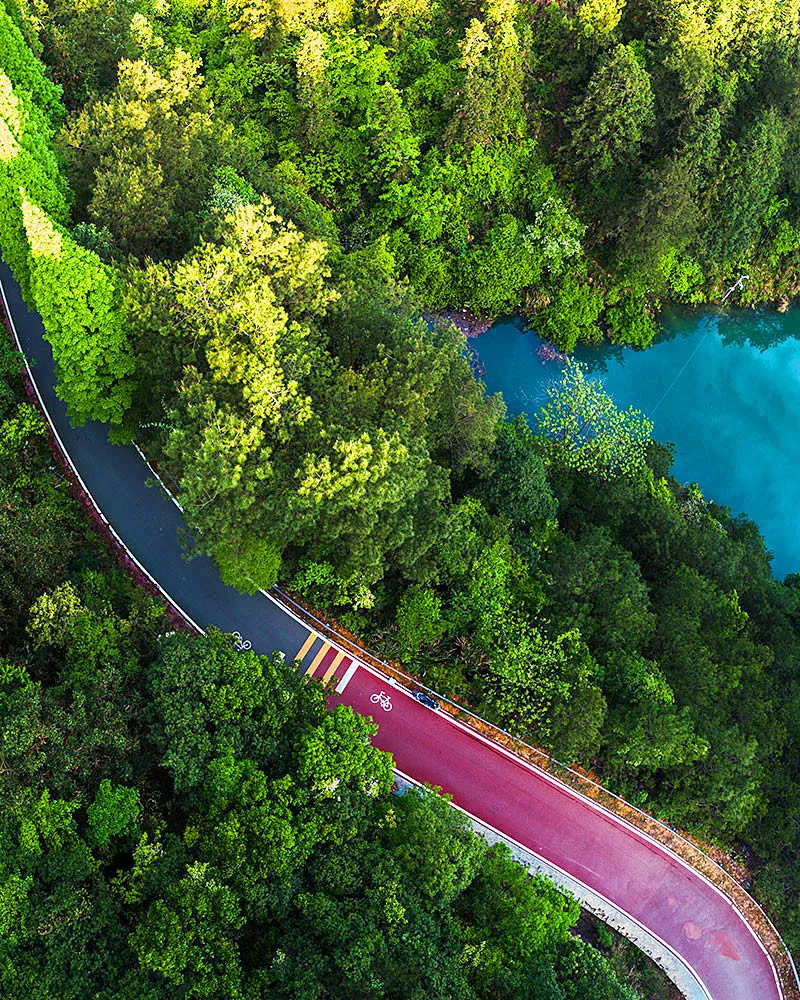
(687, 913)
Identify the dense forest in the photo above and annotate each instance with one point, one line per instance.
(240, 223)
(180, 819)
(582, 159)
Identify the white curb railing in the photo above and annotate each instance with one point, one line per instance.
(773, 944)
(776, 949)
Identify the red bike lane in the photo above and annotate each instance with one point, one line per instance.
(636, 874)
(668, 898)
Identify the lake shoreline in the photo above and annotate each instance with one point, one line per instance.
(726, 392)
(469, 323)
(474, 324)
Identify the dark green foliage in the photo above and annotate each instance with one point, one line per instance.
(419, 621)
(570, 313)
(750, 175)
(265, 196)
(40, 530)
(141, 159)
(586, 972)
(518, 486)
(184, 820)
(594, 584)
(614, 117)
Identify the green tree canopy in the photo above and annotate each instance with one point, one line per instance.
(612, 120)
(586, 431)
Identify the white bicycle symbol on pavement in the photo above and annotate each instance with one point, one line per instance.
(383, 700)
(241, 644)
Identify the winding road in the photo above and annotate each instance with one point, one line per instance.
(689, 916)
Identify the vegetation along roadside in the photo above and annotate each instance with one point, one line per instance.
(231, 219)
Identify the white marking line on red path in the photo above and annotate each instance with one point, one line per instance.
(621, 821)
(346, 679)
(572, 878)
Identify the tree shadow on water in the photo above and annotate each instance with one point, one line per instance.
(761, 329)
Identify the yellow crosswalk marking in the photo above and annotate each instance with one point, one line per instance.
(331, 669)
(317, 659)
(305, 647)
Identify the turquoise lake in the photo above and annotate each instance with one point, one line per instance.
(724, 389)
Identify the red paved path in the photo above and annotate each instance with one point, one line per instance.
(639, 876)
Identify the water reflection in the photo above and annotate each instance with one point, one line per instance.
(760, 329)
(725, 388)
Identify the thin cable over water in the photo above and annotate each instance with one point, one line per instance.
(737, 284)
(683, 369)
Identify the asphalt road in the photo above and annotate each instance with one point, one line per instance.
(636, 874)
(147, 520)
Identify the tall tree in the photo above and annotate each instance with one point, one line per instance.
(490, 100)
(77, 296)
(140, 158)
(748, 179)
(30, 112)
(612, 120)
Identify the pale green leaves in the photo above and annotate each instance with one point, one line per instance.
(15, 431)
(29, 108)
(243, 310)
(76, 295)
(352, 468)
(598, 18)
(556, 233)
(585, 430)
(42, 823)
(10, 119)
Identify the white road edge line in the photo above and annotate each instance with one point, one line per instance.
(493, 745)
(584, 800)
(628, 827)
(160, 481)
(68, 459)
(572, 878)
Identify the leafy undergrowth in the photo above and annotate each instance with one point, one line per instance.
(629, 963)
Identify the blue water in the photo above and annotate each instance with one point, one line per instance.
(725, 390)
